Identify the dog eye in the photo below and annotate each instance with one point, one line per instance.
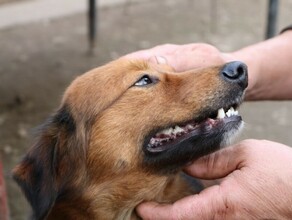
(143, 81)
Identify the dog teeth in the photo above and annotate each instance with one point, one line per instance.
(170, 134)
(170, 131)
(231, 112)
(167, 131)
(221, 113)
(190, 127)
(167, 135)
(152, 141)
(178, 130)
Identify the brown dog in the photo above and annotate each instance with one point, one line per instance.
(122, 135)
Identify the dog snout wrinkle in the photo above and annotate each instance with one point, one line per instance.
(235, 72)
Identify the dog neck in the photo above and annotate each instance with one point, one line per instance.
(117, 199)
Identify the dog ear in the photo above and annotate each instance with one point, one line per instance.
(45, 170)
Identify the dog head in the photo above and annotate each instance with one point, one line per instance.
(130, 117)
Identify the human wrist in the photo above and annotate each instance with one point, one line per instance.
(251, 58)
(268, 67)
(288, 28)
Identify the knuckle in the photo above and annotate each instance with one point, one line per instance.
(209, 161)
(205, 47)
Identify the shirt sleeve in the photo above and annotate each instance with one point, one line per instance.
(286, 29)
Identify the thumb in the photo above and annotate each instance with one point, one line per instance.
(153, 210)
(209, 202)
(205, 205)
(218, 164)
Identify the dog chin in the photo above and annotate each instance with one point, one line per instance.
(230, 137)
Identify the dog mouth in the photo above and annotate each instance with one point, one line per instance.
(213, 123)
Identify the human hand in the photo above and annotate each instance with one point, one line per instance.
(257, 185)
(191, 56)
(183, 57)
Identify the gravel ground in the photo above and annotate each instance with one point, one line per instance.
(38, 61)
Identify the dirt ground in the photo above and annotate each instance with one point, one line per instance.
(38, 61)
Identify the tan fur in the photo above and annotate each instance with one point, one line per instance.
(100, 170)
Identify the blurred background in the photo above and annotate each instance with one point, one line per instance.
(44, 45)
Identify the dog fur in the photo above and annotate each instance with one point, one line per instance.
(89, 161)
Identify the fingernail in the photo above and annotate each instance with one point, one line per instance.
(157, 60)
(161, 60)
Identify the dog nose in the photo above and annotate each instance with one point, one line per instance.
(235, 72)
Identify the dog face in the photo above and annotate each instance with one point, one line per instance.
(170, 118)
(126, 118)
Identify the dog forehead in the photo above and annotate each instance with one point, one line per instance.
(95, 90)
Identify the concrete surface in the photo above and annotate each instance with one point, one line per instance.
(27, 11)
(38, 60)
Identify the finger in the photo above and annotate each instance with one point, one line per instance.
(152, 210)
(147, 55)
(218, 164)
(158, 60)
(206, 205)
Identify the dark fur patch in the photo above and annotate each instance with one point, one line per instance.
(64, 119)
(38, 171)
(36, 177)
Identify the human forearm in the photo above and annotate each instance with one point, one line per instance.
(270, 68)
